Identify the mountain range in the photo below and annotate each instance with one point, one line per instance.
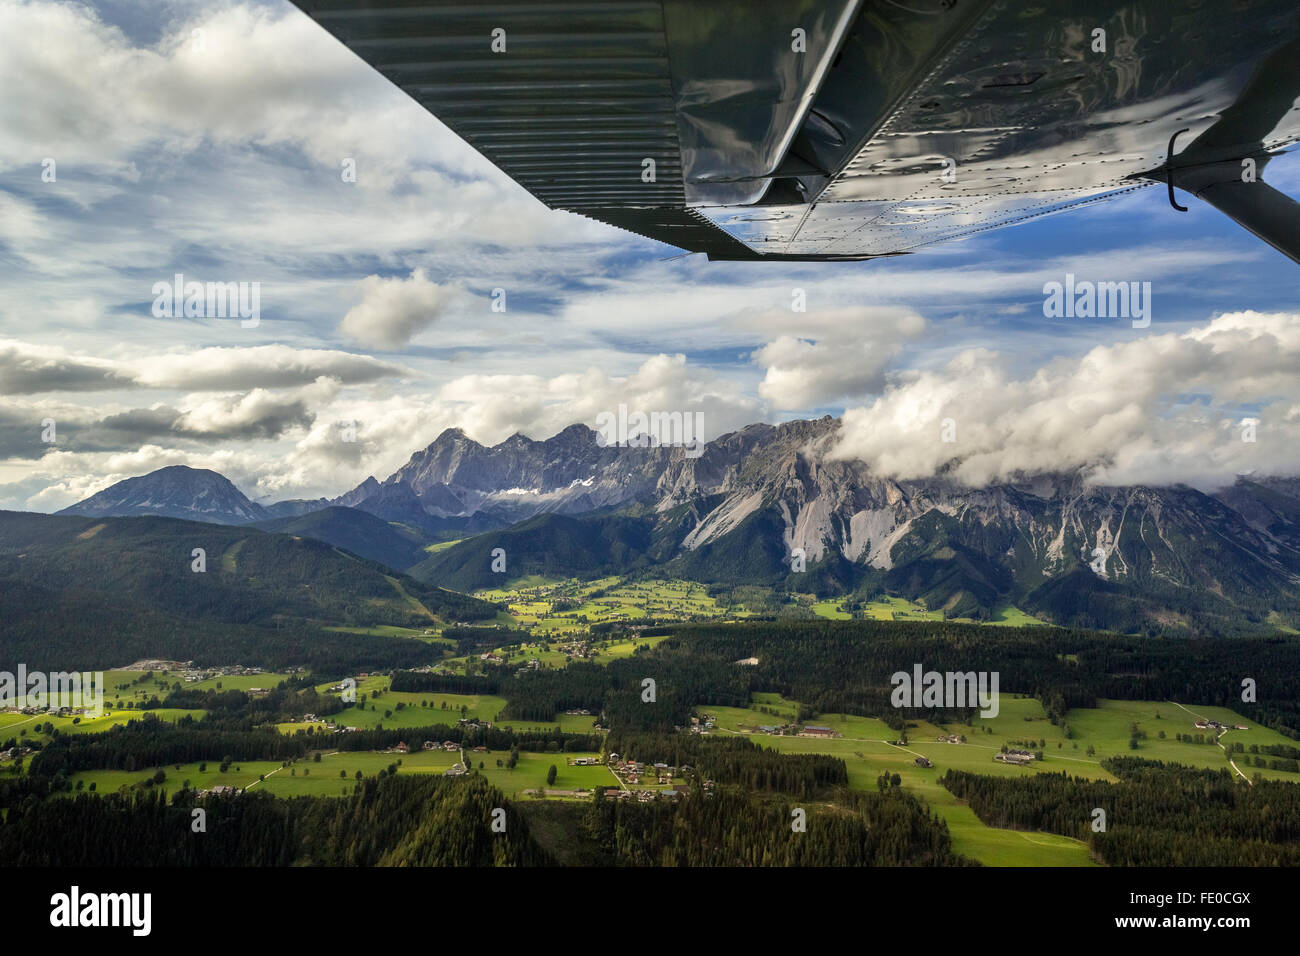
(767, 505)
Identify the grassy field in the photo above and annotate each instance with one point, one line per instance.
(426, 710)
(1009, 616)
(442, 545)
(13, 725)
(552, 608)
(1109, 726)
(865, 746)
(418, 710)
(832, 609)
(901, 609)
(429, 635)
(867, 752)
(335, 773)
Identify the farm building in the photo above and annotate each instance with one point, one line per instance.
(811, 731)
(1018, 759)
(923, 762)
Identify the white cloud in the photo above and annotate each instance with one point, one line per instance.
(29, 369)
(850, 359)
(1158, 410)
(393, 311)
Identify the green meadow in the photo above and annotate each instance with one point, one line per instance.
(427, 710)
(335, 773)
(552, 608)
(429, 635)
(13, 725)
(865, 745)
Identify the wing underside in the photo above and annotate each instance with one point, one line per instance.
(835, 129)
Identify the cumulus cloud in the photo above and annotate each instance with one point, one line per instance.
(393, 311)
(256, 414)
(492, 407)
(850, 359)
(1158, 410)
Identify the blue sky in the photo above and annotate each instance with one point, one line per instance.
(217, 155)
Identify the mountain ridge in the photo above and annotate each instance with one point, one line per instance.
(756, 504)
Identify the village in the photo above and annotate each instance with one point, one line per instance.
(1215, 725)
(633, 774)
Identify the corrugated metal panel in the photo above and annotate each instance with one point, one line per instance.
(579, 99)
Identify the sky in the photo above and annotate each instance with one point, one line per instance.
(210, 140)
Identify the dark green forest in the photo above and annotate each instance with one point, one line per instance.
(1157, 815)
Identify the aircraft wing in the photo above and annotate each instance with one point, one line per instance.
(849, 129)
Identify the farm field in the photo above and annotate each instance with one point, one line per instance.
(130, 685)
(832, 609)
(553, 608)
(335, 773)
(383, 710)
(867, 753)
(241, 775)
(1009, 616)
(12, 725)
(1021, 722)
(901, 609)
(395, 709)
(429, 635)
(1109, 726)
(599, 652)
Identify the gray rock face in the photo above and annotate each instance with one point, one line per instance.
(196, 494)
(774, 488)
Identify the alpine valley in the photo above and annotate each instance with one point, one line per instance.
(768, 506)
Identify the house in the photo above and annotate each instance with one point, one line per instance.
(401, 747)
(480, 750)
(450, 745)
(430, 745)
(810, 730)
(455, 770)
(1019, 759)
(923, 762)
